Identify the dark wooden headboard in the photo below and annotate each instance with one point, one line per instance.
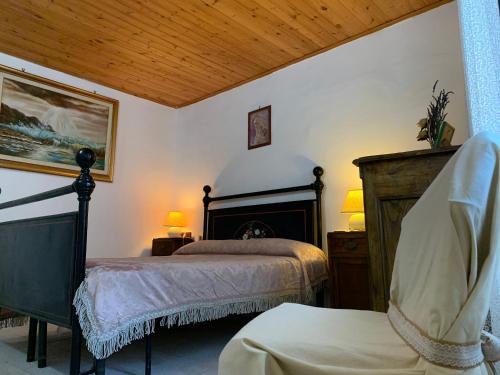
(297, 220)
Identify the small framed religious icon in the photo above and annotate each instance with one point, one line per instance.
(259, 127)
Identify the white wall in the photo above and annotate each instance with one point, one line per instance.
(359, 99)
(127, 213)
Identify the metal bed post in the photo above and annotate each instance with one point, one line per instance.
(206, 201)
(318, 186)
(42, 344)
(149, 339)
(84, 186)
(30, 354)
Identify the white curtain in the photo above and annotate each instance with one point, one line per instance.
(480, 29)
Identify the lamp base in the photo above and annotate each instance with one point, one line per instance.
(357, 223)
(174, 232)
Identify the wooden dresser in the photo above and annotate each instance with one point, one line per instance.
(392, 183)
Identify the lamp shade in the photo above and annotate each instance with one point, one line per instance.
(353, 202)
(175, 219)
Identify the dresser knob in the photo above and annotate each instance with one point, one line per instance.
(350, 245)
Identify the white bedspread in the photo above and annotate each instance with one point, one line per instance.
(121, 298)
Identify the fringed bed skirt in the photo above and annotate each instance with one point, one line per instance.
(103, 345)
(10, 319)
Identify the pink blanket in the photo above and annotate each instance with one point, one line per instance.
(120, 298)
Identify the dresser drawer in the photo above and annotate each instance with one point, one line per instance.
(348, 244)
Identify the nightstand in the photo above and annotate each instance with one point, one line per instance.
(167, 245)
(349, 270)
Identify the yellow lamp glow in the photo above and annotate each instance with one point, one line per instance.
(353, 204)
(175, 220)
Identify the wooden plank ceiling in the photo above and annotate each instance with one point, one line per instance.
(177, 52)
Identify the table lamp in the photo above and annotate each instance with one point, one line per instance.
(175, 220)
(353, 204)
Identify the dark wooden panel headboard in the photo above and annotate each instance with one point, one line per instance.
(295, 220)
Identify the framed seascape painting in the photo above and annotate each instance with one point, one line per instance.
(259, 127)
(44, 123)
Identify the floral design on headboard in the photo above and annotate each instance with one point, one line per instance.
(254, 229)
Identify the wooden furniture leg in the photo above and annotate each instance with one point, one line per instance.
(320, 298)
(30, 356)
(147, 370)
(42, 344)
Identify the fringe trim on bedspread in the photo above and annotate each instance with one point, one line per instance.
(102, 346)
(15, 321)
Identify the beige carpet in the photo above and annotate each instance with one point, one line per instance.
(191, 350)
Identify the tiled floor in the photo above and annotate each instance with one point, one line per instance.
(192, 350)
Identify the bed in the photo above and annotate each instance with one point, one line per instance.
(280, 264)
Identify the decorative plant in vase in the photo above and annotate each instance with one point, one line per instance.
(434, 128)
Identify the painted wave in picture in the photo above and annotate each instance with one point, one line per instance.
(44, 125)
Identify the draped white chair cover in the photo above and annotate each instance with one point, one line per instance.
(444, 272)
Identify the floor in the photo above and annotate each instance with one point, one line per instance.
(190, 350)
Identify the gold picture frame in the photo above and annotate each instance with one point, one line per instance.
(43, 123)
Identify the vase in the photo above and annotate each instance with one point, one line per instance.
(445, 136)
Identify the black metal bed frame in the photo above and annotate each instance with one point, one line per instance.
(316, 186)
(28, 253)
(56, 268)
